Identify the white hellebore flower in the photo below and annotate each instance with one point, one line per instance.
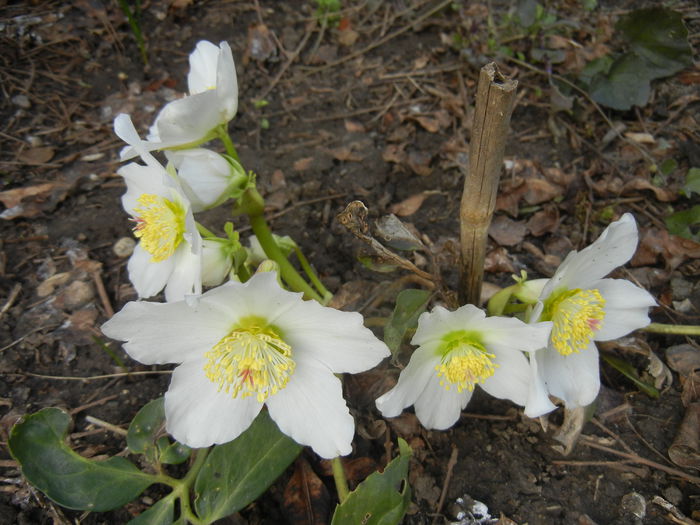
(168, 254)
(458, 350)
(212, 101)
(216, 261)
(584, 308)
(244, 345)
(207, 178)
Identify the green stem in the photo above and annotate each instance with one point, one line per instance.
(228, 143)
(186, 483)
(678, 329)
(341, 482)
(289, 273)
(303, 261)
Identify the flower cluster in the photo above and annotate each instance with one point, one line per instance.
(251, 343)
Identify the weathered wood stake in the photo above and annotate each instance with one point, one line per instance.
(494, 104)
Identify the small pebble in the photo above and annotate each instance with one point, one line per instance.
(21, 101)
(634, 503)
(124, 247)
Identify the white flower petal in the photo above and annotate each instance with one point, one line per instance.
(437, 408)
(227, 82)
(216, 263)
(125, 130)
(574, 378)
(203, 61)
(148, 277)
(411, 383)
(157, 333)
(188, 120)
(615, 246)
(434, 325)
(186, 276)
(204, 174)
(509, 334)
(626, 308)
(337, 339)
(141, 180)
(538, 402)
(199, 416)
(511, 379)
(311, 410)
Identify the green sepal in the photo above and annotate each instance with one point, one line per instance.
(37, 442)
(381, 499)
(236, 473)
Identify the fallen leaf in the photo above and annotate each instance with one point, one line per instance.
(497, 260)
(303, 164)
(419, 162)
(428, 123)
(544, 221)
(344, 153)
(347, 37)
(260, 45)
(36, 156)
(540, 190)
(410, 205)
(640, 183)
(506, 231)
(30, 201)
(306, 500)
(394, 153)
(353, 126)
(180, 4)
(685, 449)
(641, 138)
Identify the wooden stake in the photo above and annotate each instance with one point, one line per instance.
(494, 104)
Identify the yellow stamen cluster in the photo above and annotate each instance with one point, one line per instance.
(576, 316)
(250, 361)
(160, 225)
(465, 362)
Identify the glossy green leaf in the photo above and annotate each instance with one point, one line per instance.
(659, 36)
(236, 473)
(692, 182)
(682, 223)
(626, 84)
(172, 453)
(409, 305)
(37, 442)
(381, 499)
(630, 373)
(161, 513)
(147, 424)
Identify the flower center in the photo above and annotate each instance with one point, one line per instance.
(160, 225)
(576, 316)
(251, 360)
(465, 362)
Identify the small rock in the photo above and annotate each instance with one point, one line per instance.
(673, 494)
(634, 503)
(124, 247)
(21, 101)
(76, 295)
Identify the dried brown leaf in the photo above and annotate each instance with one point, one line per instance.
(394, 153)
(544, 221)
(38, 155)
(347, 37)
(353, 126)
(303, 164)
(640, 183)
(506, 231)
(685, 449)
(419, 162)
(540, 190)
(306, 500)
(498, 260)
(410, 205)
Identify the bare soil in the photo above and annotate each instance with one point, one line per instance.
(376, 109)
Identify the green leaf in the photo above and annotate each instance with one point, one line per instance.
(147, 425)
(162, 513)
(409, 305)
(236, 473)
(659, 36)
(172, 453)
(380, 499)
(667, 166)
(630, 373)
(625, 85)
(680, 223)
(37, 443)
(692, 182)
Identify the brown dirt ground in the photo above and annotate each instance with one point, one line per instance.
(382, 119)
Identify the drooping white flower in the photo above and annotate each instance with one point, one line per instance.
(584, 307)
(207, 178)
(458, 350)
(242, 346)
(213, 101)
(216, 261)
(168, 254)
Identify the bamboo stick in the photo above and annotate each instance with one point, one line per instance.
(495, 98)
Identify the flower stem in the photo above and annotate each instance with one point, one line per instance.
(289, 273)
(678, 329)
(341, 482)
(187, 481)
(327, 296)
(228, 143)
